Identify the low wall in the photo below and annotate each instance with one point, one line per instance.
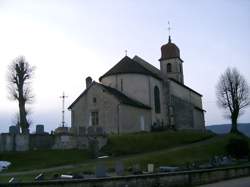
(186, 178)
(25, 142)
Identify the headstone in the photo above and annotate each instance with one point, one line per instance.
(91, 131)
(39, 129)
(136, 169)
(119, 168)
(100, 170)
(150, 168)
(39, 177)
(13, 130)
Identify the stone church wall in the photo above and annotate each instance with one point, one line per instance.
(105, 104)
(199, 122)
(183, 113)
(133, 119)
(185, 94)
(139, 87)
(133, 85)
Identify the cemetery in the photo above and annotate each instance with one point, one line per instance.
(219, 168)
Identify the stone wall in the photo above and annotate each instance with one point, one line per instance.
(105, 105)
(21, 142)
(172, 179)
(133, 119)
(41, 141)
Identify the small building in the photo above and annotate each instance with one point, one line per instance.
(135, 96)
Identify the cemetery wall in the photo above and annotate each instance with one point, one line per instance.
(186, 178)
(22, 142)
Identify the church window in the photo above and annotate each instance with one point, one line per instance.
(169, 67)
(180, 68)
(94, 99)
(94, 118)
(157, 100)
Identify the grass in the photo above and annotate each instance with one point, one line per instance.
(147, 142)
(29, 160)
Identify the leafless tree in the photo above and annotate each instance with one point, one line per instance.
(233, 94)
(19, 84)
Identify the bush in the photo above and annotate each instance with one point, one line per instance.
(237, 147)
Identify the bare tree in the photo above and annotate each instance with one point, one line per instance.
(19, 84)
(233, 94)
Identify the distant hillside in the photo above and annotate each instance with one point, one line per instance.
(225, 128)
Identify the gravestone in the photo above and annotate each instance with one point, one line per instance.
(100, 170)
(150, 168)
(39, 129)
(13, 130)
(119, 168)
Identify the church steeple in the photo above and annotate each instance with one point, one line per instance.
(170, 61)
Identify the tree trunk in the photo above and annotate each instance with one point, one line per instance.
(234, 128)
(22, 114)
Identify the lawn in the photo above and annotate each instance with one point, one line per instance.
(146, 142)
(22, 161)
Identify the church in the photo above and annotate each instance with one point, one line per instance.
(135, 96)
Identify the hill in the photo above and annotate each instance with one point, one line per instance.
(160, 148)
(225, 128)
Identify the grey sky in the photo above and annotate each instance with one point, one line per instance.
(69, 40)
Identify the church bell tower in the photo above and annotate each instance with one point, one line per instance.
(170, 62)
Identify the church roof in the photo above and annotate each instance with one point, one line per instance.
(128, 65)
(117, 94)
(170, 50)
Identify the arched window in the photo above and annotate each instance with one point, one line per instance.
(157, 100)
(169, 67)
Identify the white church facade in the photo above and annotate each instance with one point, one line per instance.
(135, 96)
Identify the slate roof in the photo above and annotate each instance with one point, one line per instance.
(117, 94)
(128, 65)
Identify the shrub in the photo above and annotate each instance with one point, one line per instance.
(237, 147)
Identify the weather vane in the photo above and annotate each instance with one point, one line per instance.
(63, 106)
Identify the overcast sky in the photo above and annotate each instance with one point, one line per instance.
(69, 40)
